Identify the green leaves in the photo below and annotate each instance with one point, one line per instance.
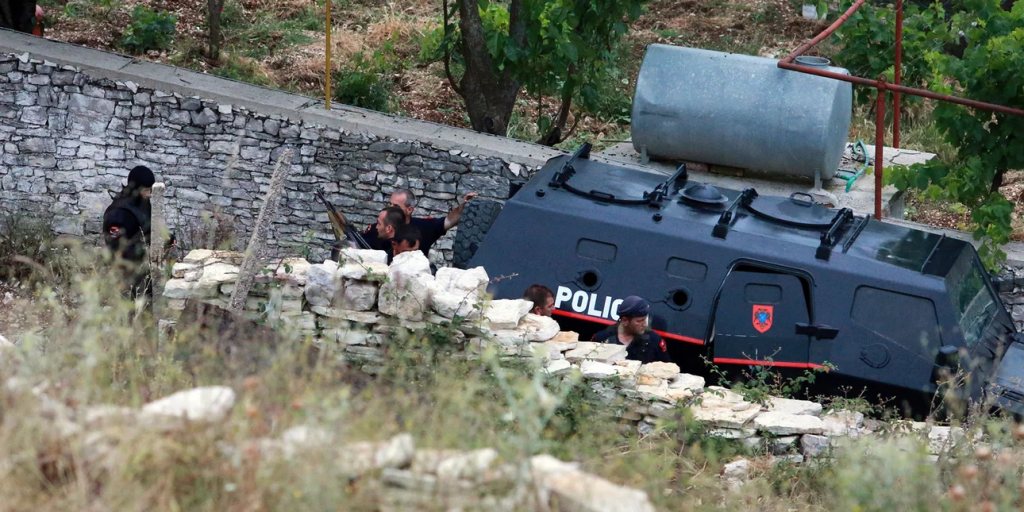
(868, 41)
(149, 30)
(988, 144)
(566, 49)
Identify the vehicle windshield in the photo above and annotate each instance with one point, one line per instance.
(972, 299)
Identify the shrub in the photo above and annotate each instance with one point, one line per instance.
(149, 30)
(360, 85)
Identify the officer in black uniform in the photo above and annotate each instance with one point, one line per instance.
(126, 229)
(631, 330)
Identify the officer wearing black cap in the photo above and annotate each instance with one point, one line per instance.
(631, 330)
(126, 225)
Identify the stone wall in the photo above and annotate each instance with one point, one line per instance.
(68, 140)
(356, 309)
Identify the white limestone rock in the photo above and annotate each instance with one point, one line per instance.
(179, 289)
(731, 433)
(463, 282)
(372, 271)
(812, 445)
(790, 406)
(292, 270)
(505, 313)
(736, 469)
(660, 370)
(406, 294)
(322, 284)
(602, 352)
(544, 352)
(785, 424)
(596, 370)
(364, 256)
(842, 423)
(449, 305)
(686, 381)
(584, 492)
(538, 328)
(722, 414)
(216, 274)
(358, 295)
(558, 367)
(359, 317)
(210, 403)
(466, 466)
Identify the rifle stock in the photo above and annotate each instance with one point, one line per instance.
(340, 227)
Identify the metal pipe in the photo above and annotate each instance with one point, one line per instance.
(904, 90)
(827, 32)
(327, 71)
(897, 74)
(879, 144)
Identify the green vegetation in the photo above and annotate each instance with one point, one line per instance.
(868, 41)
(557, 49)
(986, 145)
(149, 30)
(88, 351)
(360, 83)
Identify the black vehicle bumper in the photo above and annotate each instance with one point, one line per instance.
(1006, 389)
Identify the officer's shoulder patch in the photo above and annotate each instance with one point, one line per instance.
(114, 232)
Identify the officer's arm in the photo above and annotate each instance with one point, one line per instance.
(452, 219)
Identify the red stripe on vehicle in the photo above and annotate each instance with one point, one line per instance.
(588, 318)
(781, 364)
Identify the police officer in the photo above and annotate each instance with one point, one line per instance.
(379, 235)
(431, 228)
(631, 330)
(126, 225)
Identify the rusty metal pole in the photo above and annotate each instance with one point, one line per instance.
(327, 71)
(879, 144)
(897, 74)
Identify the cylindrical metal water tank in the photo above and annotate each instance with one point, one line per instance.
(741, 111)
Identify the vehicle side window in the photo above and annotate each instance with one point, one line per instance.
(906, 320)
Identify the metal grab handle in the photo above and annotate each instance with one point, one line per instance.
(809, 202)
(598, 193)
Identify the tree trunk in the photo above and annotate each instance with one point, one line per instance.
(214, 8)
(490, 95)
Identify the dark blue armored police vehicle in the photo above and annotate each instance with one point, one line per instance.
(743, 279)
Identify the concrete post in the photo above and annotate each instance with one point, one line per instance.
(254, 251)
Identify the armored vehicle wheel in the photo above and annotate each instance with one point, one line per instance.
(477, 218)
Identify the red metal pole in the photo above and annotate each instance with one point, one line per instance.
(904, 90)
(898, 71)
(879, 144)
(827, 32)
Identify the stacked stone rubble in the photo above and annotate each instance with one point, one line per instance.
(356, 307)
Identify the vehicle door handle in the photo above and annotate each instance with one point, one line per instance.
(821, 332)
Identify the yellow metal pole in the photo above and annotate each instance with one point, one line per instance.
(327, 73)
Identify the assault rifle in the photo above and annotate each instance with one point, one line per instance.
(342, 229)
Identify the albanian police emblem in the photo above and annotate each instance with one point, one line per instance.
(763, 317)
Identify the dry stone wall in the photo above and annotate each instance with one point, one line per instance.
(68, 140)
(355, 308)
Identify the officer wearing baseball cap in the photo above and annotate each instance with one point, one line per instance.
(631, 330)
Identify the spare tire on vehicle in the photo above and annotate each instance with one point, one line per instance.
(477, 217)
